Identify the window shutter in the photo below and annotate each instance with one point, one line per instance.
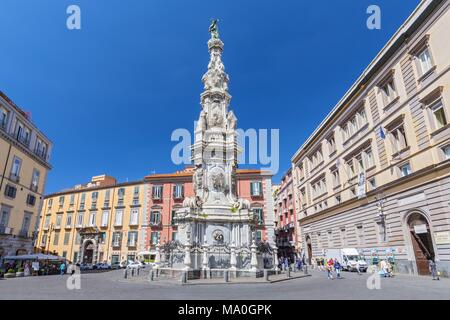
(252, 188)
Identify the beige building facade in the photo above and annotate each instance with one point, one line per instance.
(375, 174)
(24, 160)
(93, 223)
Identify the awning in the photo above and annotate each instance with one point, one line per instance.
(143, 253)
(37, 256)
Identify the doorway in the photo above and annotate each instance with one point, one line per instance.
(422, 242)
(88, 252)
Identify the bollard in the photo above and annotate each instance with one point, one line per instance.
(288, 272)
(266, 275)
(132, 272)
(150, 276)
(226, 276)
(305, 269)
(183, 277)
(125, 274)
(138, 271)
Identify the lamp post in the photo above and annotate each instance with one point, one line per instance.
(51, 228)
(381, 199)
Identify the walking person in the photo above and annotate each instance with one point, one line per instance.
(358, 267)
(433, 269)
(337, 267)
(62, 268)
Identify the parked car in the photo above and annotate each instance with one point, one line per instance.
(86, 266)
(102, 266)
(135, 265)
(116, 265)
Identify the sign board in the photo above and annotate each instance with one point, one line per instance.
(442, 237)
(362, 185)
(421, 228)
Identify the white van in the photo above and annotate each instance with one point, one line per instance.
(348, 258)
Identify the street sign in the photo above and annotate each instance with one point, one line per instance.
(421, 228)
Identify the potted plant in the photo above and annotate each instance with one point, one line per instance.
(10, 273)
(20, 272)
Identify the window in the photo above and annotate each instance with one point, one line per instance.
(92, 216)
(132, 238)
(107, 196)
(369, 158)
(351, 168)
(80, 219)
(83, 200)
(56, 239)
(72, 200)
(360, 234)
(343, 236)
(178, 191)
(136, 191)
(256, 188)
(372, 184)
(155, 218)
(26, 223)
(360, 163)
(355, 123)
(94, 197)
(66, 238)
(331, 145)
(58, 220)
(258, 213)
(405, 170)
(35, 180)
(157, 192)
(61, 201)
(105, 217)
(46, 222)
(174, 235)
(134, 217)
(154, 238)
(424, 58)
(102, 237)
(118, 218)
(44, 240)
(116, 239)
(388, 91)
(338, 199)
(49, 204)
(10, 191)
(446, 151)
(31, 200)
(258, 236)
(3, 117)
(69, 220)
(120, 195)
(174, 215)
(15, 169)
(22, 133)
(352, 192)
(77, 238)
(336, 178)
(398, 139)
(440, 120)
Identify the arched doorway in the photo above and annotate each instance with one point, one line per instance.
(88, 252)
(421, 240)
(309, 247)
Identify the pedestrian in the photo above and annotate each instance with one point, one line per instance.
(286, 263)
(337, 267)
(358, 267)
(62, 268)
(329, 272)
(299, 265)
(433, 269)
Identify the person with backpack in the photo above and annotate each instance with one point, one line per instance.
(337, 267)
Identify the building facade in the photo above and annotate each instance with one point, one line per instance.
(93, 223)
(375, 174)
(107, 221)
(24, 160)
(286, 230)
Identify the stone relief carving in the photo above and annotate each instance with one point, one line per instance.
(218, 181)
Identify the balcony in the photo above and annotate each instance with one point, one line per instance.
(156, 224)
(23, 140)
(34, 188)
(116, 244)
(42, 154)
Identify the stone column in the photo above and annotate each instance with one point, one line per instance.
(205, 261)
(275, 258)
(233, 261)
(187, 256)
(254, 259)
(158, 256)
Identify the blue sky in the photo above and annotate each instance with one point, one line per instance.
(110, 95)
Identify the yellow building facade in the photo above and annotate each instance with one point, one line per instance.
(94, 223)
(24, 162)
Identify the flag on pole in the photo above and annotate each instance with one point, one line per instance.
(382, 133)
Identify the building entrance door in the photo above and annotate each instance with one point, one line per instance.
(422, 242)
(88, 253)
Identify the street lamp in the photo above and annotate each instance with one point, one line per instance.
(51, 228)
(381, 199)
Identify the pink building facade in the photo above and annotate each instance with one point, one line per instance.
(166, 193)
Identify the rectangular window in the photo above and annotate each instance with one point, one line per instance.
(178, 191)
(80, 219)
(15, 169)
(72, 200)
(83, 200)
(77, 238)
(398, 138)
(69, 220)
(351, 168)
(331, 145)
(157, 192)
(154, 238)
(425, 60)
(3, 118)
(134, 217)
(336, 178)
(66, 238)
(107, 196)
(35, 180)
(92, 216)
(121, 193)
(10, 191)
(58, 220)
(31, 200)
(61, 201)
(174, 215)
(132, 238)
(372, 184)
(174, 235)
(116, 239)
(258, 236)
(440, 120)
(369, 158)
(446, 151)
(44, 240)
(26, 223)
(256, 188)
(118, 218)
(405, 170)
(46, 222)
(155, 218)
(56, 239)
(105, 217)
(388, 91)
(259, 215)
